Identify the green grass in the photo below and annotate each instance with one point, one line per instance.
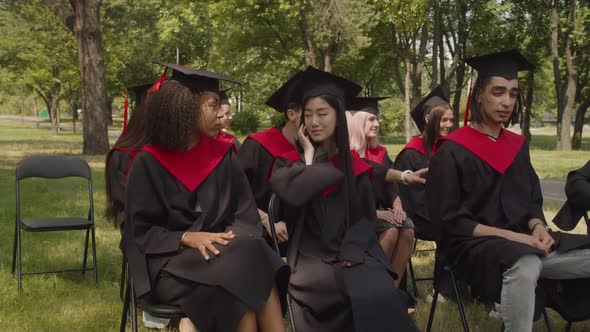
(70, 302)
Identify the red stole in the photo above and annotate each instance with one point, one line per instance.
(499, 154)
(417, 143)
(376, 154)
(358, 165)
(193, 166)
(273, 141)
(131, 153)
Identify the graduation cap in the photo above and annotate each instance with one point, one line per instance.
(315, 82)
(198, 79)
(426, 104)
(504, 64)
(223, 97)
(366, 104)
(286, 94)
(139, 92)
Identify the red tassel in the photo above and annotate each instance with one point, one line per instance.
(156, 86)
(466, 119)
(125, 113)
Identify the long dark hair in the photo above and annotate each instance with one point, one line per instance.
(432, 130)
(475, 107)
(172, 114)
(344, 156)
(133, 140)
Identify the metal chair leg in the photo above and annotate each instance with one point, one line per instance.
(14, 247)
(547, 321)
(125, 313)
(459, 301)
(133, 306)
(94, 263)
(19, 274)
(413, 277)
(290, 309)
(434, 300)
(123, 277)
(85, 259)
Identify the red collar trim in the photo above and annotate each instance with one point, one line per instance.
(499, 154)
(416, 143)
(192, 167)
(273, 141)
(376, 154)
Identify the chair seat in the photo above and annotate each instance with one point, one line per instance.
(55, 224)
(162, 310)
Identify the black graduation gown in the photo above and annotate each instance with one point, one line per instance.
(413, 196)
(577, 190)
(326, 296)
(463, 191)
(160, 208)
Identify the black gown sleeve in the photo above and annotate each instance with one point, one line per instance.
(577, 187)
(412, 196)
(358, 235)
(536, 205)
(246, 217)
(297, 183)
(443, 193)
(147, 207)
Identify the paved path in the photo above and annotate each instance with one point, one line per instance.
(62, 126)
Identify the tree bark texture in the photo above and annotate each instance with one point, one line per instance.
(525, 124)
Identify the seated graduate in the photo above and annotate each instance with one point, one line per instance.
(484, 193)
(194, 237)
(395, 229)
(119, 158)
(434, 118)
(259, 151)
(577, 190)
(341, 279)
(225, 109)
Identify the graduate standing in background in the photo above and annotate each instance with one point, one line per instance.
(484, 193)
(191, 218)
(395, 229)
(259, 151)
(577, 190)
(225, 109)
(434, 118)
(341, 279)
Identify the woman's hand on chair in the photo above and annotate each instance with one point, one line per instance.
(204, 241)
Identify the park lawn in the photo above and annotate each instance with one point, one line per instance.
(70, 302)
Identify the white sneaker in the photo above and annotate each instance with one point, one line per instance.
(440, 298)
(154, 322)
(496, 313)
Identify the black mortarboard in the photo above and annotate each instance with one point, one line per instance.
(505, 64)
(285, 95)
(366, 104)
(315, 82)
(223, 97)
(434, 98)
(139, 92)
(200, 80)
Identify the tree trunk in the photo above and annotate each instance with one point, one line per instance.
(556, 75)
(94, 96)
(579, 124)
(435, 40)
(572, 82)
(407, 95)
(329, 55)
(459, 80)
(308, 47)
(525, 125)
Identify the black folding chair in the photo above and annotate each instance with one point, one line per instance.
(53, 167)
(461, 306)
(274, 207)
(568, 327)
(155, 309)
(415, 279)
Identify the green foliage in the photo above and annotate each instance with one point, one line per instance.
(245, 122)
(277, 119)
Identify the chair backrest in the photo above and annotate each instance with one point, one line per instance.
(53, 167)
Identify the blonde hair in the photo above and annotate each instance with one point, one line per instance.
(356, 131)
